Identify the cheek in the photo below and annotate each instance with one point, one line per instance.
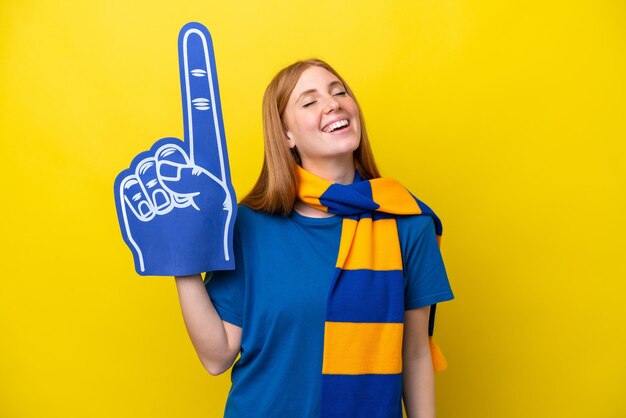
(354, 110)
(311, 120)
(357, 127)
(307, 125)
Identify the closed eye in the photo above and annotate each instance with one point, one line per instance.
(309, 103)
(340, 93)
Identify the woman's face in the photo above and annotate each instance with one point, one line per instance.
(321, 119)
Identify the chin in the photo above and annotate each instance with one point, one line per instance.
(353, 144)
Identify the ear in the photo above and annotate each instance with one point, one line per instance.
(290, 141)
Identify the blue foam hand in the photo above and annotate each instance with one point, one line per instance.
(175, 203)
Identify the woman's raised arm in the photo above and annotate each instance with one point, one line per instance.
(216, 342)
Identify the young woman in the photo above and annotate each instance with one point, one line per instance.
(330, 305)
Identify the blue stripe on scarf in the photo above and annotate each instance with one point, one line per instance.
(378, 396)
(381, 289)
(352, 199)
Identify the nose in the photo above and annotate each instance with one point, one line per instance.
(331, 105)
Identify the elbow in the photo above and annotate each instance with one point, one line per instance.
(215, 370)
(215, 367)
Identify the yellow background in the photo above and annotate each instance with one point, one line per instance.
(506, 117)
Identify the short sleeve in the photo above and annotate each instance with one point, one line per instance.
(227, 288)
(426, 279)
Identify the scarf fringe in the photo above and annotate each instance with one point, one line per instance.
(439, 361)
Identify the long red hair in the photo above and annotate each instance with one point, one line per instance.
(275, 190)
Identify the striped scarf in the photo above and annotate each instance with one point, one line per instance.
(362, 362)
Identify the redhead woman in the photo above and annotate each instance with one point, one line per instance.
(330, 310)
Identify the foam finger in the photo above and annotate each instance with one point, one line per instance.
(204, 130)
(159, 197)
(170, 159)
(172, 153)
(135, 198)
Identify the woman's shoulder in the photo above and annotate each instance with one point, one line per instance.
(244, 212)
(415, 229)
(245, 215)
(415, 224)
(249, 218)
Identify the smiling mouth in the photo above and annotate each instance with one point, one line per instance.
(336, 126)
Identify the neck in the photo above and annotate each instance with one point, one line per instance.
(334, 172)
(310, 212)
(341, 172)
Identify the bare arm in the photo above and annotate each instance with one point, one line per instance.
(417, 375)
(217, 342)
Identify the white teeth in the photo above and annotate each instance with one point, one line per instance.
(336, 125)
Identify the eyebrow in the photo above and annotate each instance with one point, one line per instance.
(330, 86)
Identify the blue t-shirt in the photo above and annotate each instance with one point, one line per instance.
(278, 293)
